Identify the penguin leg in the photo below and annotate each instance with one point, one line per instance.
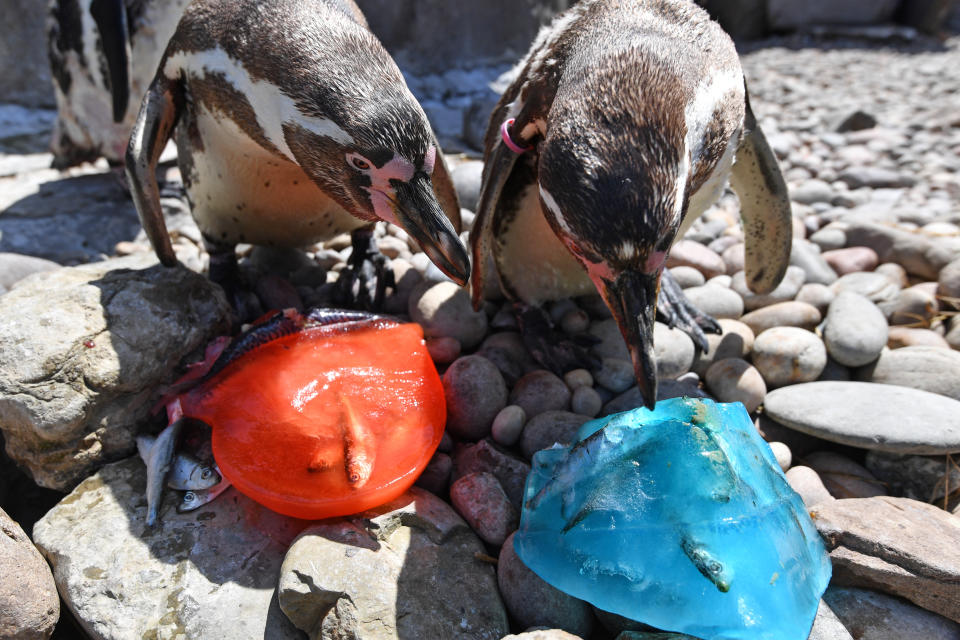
(675, 310)
(558, 352)
(224, 271)
(363, 284)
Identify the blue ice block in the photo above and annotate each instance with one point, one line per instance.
(679, 518)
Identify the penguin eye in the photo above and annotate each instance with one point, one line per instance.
(358, 162)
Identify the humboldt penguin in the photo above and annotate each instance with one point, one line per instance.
(293, 125)
(623, 125)
(103, 54)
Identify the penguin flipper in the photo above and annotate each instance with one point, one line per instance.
(764, 206)
(444, 190)
(158, 116)
(110, 17)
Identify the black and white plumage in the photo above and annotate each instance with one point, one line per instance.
(293, 125)
(637, 115)
(103, 54)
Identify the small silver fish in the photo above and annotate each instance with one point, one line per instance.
(159, 458)
(196, 499)
(187, 473)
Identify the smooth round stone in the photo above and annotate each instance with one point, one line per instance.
(721, 281)
(578, 378)
(540, 391)
(574, 321)
(687, 277)
(788, 355)
(898, 337)
(912, 305)
(783, 314)
(818, 295)
(557, 309)
(436, 475)
(482, 502)
(783, 454)
(466, 177)
(475, 393)
(693, 254)
(855, 330)
(611, 343)
(949, 280)
(15, 267)
(793, 279)
(508, 425)
(851, 259)
(894, 272)
(550, 427)
(879, 417)
(724, 242)
(806, 255)
(806, 482)
(615, 375)
(812, 191)
(444, 309)
(734, 258)
(940, 229)
(829, 238)
(586, 401)
(736, 380)
(874, 286)
(843, 477)
(716, 301)
(443, 350)
(673, 350)
(736, 341)
(932, 369)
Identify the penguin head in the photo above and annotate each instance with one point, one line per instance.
(614, 195)
(376, 158)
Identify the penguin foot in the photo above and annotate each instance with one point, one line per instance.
(558, 352)
(224, 271)
(364, 282)
(675, 310)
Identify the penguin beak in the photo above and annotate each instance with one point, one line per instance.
(632, 299)
(420, 215)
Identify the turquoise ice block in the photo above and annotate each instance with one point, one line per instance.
(679, 518)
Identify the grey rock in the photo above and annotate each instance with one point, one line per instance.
(855, 330)
(574, 321)
(811, 191)
(912, 306)
(480, 499)
(735, 257)
(444, 309)
(736, 341)
(843, 477)
(436, 475)
(735, 380)
(475, 393)
(687, 277)
(953, 335)
(716, 301)
(353, 577)
(673, 349)
(25, 75)
(29, 605)
(949, 280)
(818, 295)
(444, 350)
(82, 353)
(877, 616)
(15, 267)
(923, 478)
(533, 602)
(879, 417)
(857, 121)
(827, 626)
(587, 402)
(693, 254)
(894, 272)
(615, 375)
(786, 290)
(540, 391)
(210, 573)
(483, 457)
(506, 350)
(806, 255)
(897, 545)
(875, 287)
(508, 425)
(899, 337)
(577, 378)
(875, 177)
(611, 343)
(783, 314)
(466, 180)
(548, 428)
(806, 482)
(632, 398)
(783, 455)
(788, 355)
(829, 238)
(916, 253)
(932, 369)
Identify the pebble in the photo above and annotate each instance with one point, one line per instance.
(916, 253)
(574, 321)
(673, 350)
(808, 484)
(898, 337)
(611, 344)
(919, 477)
(736, 380)
(843, 477)
(540, 391)
(911, 306)
(851, 260)
(811, 192)
(480, 499)
(615, 375)
(508, 425)
(932, 369)
(486, 457)
(793, 279)
(828, 239)
(871, 416)
(884, 617)
(736, 341)
(783, 454)
(277, 293)
(807, 256)
(721, 281)
(693, 254)
(873, 286)
(466, 177)
(783, 314)
(587, 402)
(716, 301)
(550, 427)
(506, 350)
(578, 378)
(436, 475)
(788, 355)
(855, 330)
(687, 277)
(734, 257)
(818, 295)
(15, 267)
(475, 393)
(894, 272)
(953, 335)
(533, 602)
(443, 350)
(444, 309)
(949, 280)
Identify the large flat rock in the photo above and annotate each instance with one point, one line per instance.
(209, 574)
(880, 417)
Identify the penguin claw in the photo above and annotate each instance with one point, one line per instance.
(676, 311)
(364, 282)
(556, 351)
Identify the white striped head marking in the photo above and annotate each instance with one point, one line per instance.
(381, 190)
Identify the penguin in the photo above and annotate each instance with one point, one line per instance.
(103, 54)
(625, 122)
(293, 125)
